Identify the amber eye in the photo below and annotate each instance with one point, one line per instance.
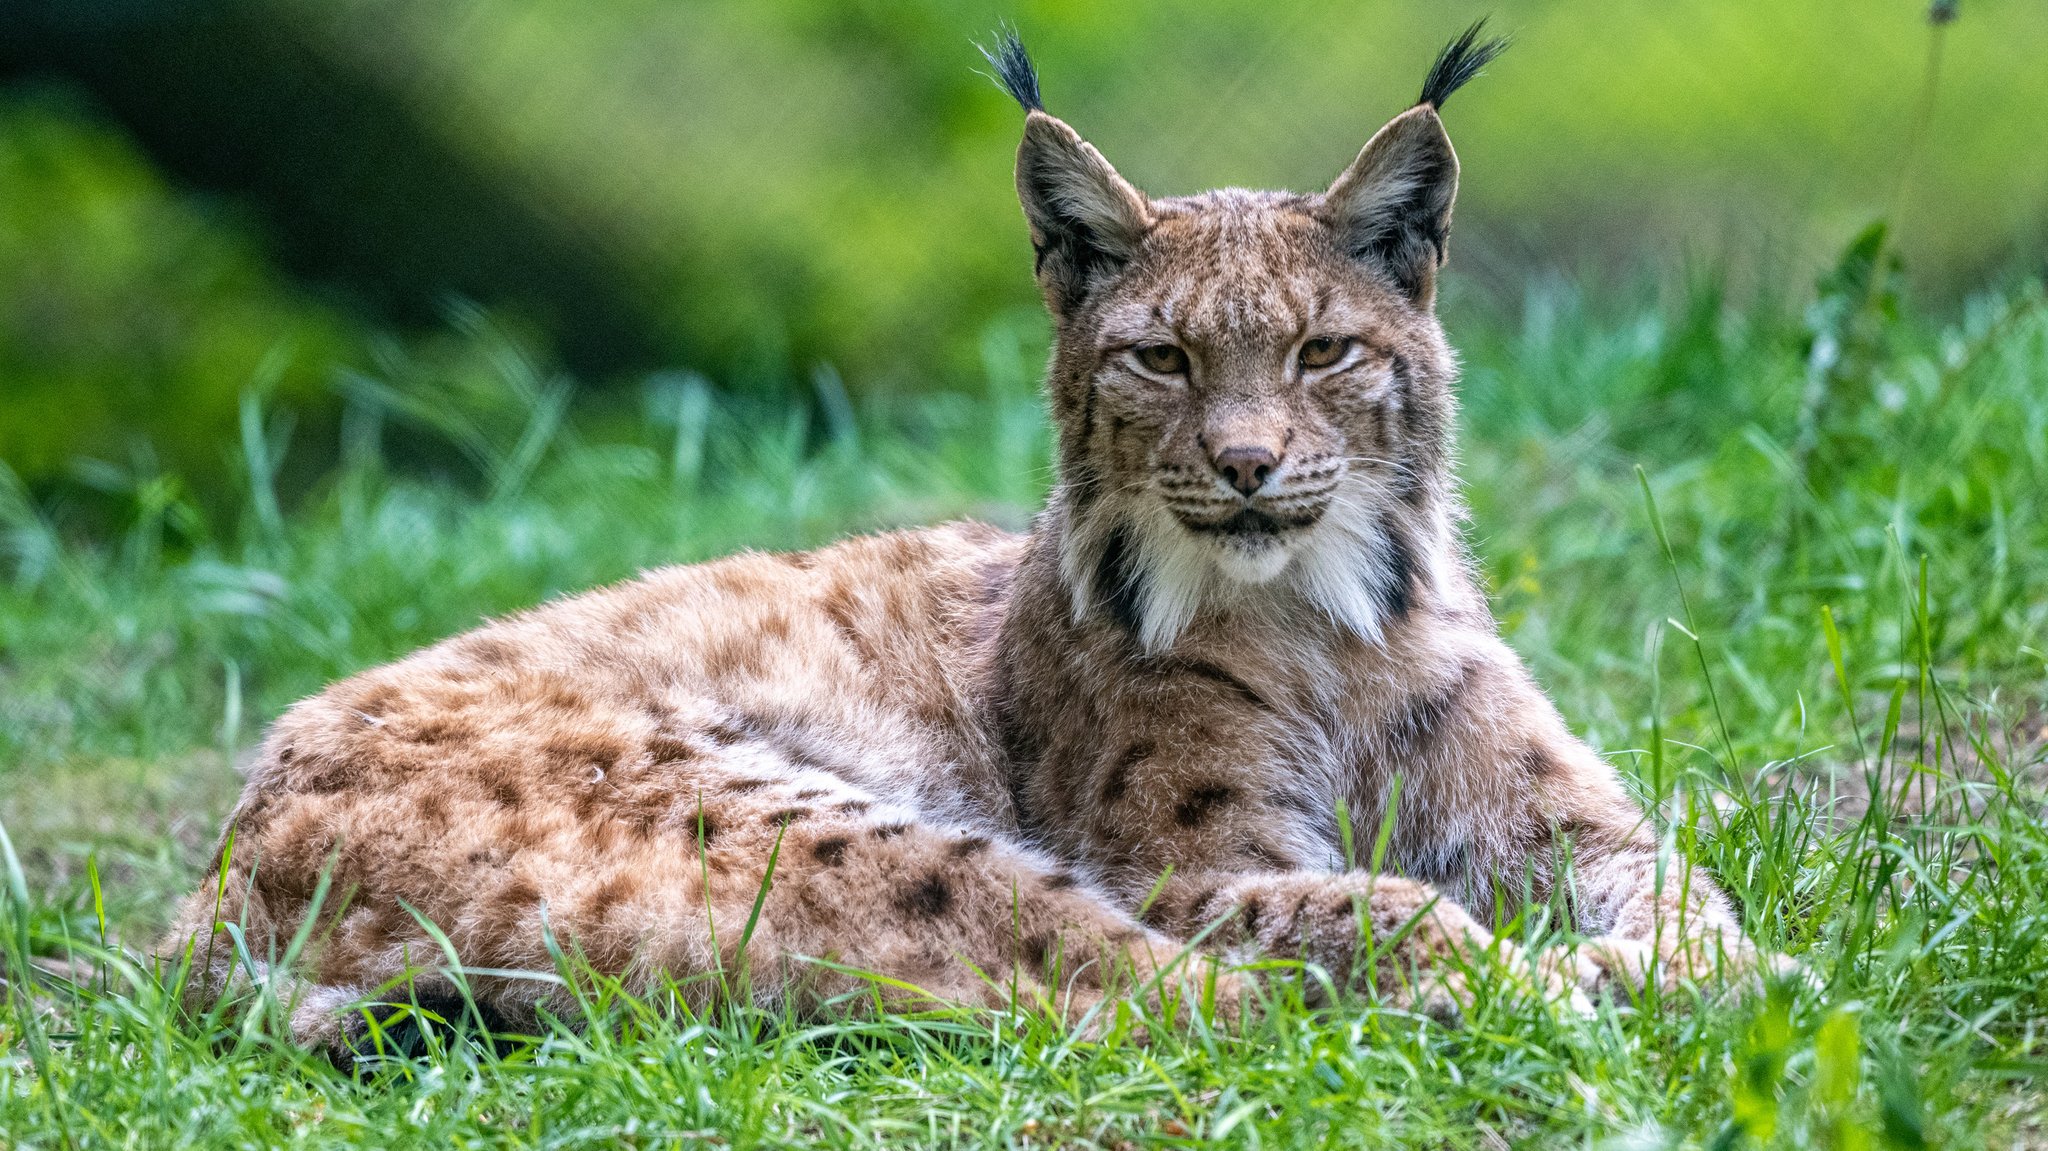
(1323, 351)
(1163, 359)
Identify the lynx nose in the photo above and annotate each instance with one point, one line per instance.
(1245, 467)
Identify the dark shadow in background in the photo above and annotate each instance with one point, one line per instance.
(353, 193)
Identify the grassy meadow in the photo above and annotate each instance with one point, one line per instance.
(1782, 562)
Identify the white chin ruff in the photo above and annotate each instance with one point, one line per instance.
(1252, 559)
(1341, 569)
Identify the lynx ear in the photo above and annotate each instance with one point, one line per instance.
(1392, 206)
(1084, 217)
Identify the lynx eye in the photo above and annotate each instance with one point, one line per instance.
(1163, 359)
(1323, 351)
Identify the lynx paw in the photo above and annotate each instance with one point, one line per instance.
(1724, 961)
(1448, 995)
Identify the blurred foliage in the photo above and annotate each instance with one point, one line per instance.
(776, 192)
(828, 179)
(131, 318)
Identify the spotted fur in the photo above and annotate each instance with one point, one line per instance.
(983, 761)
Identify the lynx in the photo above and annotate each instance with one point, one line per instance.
(1110, 753)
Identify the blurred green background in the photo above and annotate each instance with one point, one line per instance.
(213, 210)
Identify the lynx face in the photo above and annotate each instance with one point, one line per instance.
(1252, 390)
(1253, 380)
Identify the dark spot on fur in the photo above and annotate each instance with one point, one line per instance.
(285, 752)
(563, 698)
(519, 829)
(253, 814)
(1119, 777)
(489, 650)
(1437, 862)
(1262, 854)
(842, 606)
(800, 751)
(378, 926)
(727, 733)
(811, 793)
(1412, 419)
(971, 845)
(748, 786)
(1420, 724)
(1574, 827)
(433, 809)
(610, 894)
(890, 830)
(590, 803)
(1253, 909)
(831, 852)
(641, 819)
(630, 619)
(1299, 802)
(801, 561)
(703, 827)
(516, 896)
(1118, 582)
(1021, 747)
(505, 793)
(1198, 907)
(324, 774)
(1203, 669)
(1087, 419)
(292, 885)
(787, 815)
(1538, 763)
(994, 582)
(735, 655)
(1592, 836)
(1040, 952)
(1396, 594)
(665, 747)
(852, 806)
(1200, 803)
(377, 700)
(580, 753)
(928, 898)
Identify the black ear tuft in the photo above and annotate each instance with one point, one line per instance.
(1457, 64)
(1013, 68)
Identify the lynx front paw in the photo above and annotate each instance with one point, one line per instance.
(1449, 994)
(1722, 960)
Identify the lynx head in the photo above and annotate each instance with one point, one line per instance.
(1252, 392)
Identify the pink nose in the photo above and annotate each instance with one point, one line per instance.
(1245, 468)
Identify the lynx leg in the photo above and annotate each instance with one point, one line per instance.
(856, 889)
(959, 916)
(1420, 945)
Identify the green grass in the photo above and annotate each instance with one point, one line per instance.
(1813, 629)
